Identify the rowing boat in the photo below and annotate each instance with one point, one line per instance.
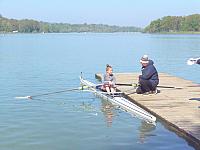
(118, 100)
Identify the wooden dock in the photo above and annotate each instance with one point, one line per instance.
(177, 105)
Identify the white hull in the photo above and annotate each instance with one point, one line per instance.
(120, 102)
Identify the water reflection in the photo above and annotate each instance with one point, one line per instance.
(87, 106)
(108, 111)
(145, 130)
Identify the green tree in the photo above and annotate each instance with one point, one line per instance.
(175, 24)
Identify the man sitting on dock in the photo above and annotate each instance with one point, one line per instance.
(149, 80)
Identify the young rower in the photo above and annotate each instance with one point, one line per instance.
(109, 81)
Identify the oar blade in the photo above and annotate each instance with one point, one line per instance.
(23, 97)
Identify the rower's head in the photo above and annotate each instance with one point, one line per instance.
(144, 60)
(109, 69)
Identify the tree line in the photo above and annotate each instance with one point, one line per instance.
(33, 26)
(189, 23)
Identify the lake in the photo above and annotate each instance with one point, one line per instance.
(32, 64)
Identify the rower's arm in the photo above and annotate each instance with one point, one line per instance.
(114, 80)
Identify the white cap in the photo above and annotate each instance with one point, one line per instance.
(144, 59)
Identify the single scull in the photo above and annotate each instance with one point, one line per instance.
(119, 101)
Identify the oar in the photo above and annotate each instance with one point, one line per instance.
(160, 86)
(49, 93)
(194, 85)
(126, 84)
(169, 87)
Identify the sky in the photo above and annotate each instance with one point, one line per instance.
(112, 12)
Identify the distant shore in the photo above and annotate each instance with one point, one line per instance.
(34, 26)
(178, 33)
(68, 33)
(175, 25)
(174, 33)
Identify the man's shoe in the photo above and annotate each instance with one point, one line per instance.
(154, 92)
(147, 93)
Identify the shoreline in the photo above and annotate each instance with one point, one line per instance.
(158, 33)
(178, 33)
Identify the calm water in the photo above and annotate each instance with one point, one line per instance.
(38, 63)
